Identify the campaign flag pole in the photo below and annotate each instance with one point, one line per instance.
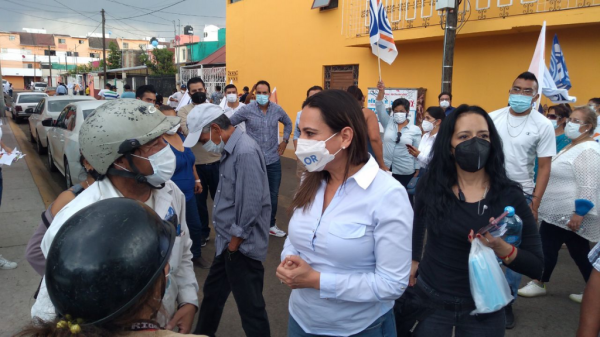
(380, 34)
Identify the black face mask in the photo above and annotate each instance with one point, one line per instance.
(199, 97)
(472, 155)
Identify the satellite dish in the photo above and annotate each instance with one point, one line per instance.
(188, 30)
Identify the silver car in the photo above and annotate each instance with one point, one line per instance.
(48, 108)
(24, 101)
(63, 136)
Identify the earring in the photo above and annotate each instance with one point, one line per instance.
(343, 147)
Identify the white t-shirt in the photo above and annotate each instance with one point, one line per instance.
(524, 138)
(230, 112)
(101, 92)
(178, 95)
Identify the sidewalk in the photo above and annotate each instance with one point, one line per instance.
(19, 216)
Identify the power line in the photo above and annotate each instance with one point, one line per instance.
(44, 18)
(69, 8)
(158, 10)
(27, 6)
(181, 14)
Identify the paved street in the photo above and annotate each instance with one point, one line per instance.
(29, 188)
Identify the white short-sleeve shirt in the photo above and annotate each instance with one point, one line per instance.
(524, 138)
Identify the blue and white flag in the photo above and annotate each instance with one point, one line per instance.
(380, 33)
(558, 66)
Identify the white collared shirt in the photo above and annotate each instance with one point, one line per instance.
(169, 199)
(361, 245)
(231, 111)
(425, 149)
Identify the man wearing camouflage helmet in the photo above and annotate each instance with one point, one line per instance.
(122, 140)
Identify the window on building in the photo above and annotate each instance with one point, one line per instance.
(4, 50)
(81, 42)
(30, 66)
(183, 56)
(205, 34)
(76, 54)
(62, 41)
(95, 55)
(11, 37)
(49, 52)
(125, 45)
(324, 4)
(234, 1)
(69, 53)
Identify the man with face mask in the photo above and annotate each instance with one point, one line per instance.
(526, 135)
(241, 219)
(232, 105)
(262, 124)
(207, 163)
(445, 99)
(122, 141)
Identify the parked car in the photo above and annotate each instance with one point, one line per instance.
(24, 101)
(48, 108)
(63, 139)
(39, 86)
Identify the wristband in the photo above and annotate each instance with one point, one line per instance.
(198, 181)
(505, 258)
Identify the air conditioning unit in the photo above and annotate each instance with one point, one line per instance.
(444, 4)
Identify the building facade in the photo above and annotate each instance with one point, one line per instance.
(295, 47)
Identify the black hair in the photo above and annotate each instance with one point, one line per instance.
(113, 88)
(159, 99)
(230, 86)
(264, 83)
(107, 85)
(435, 193)
(436, 112)
(91, 172)
(218, 88)
(194, 80)
(529, 76)
(127, 87)
(356, 92)
(246, 89)
(139, 93)
(401, 102)
(596, 100)
(166, 107)
(444, 93)
(314, 87)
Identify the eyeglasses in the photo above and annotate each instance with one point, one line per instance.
(552, 117)
(398, 137)
(576, 121)
(520, 91)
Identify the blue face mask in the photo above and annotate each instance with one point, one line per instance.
(520, 103)
(262, 99)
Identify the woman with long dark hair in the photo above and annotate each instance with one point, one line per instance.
(465, 186)
(344, 244)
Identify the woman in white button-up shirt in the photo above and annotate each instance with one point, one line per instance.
(348, 252)
(432, 120)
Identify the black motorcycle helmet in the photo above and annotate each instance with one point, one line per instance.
(105, 257)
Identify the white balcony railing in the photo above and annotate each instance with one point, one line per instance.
(409, 14)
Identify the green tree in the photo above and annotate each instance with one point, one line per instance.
(161, 63)
(114, 56)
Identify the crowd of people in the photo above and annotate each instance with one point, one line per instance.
(381, 226)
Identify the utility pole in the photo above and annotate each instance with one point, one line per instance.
(175, 40)
(76, 64)
(50, 65)
(104, 45)
(449, 43)
(34, 63)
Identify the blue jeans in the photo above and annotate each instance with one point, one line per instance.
(441, 322)
(384, 326)
(192, 218)
(274, 177)
(514, 278)
(209, 177)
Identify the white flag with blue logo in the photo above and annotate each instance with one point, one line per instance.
(380, 33)
(558, 66)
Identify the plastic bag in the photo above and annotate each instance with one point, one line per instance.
(489, 288)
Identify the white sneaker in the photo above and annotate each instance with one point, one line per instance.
(576, 297)
(275, 231)
(532, 289)
(5, 264)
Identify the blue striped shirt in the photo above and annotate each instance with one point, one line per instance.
(595, 257)
(264, 128)
(242, 204)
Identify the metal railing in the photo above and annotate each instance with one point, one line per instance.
(409, 14)
(211, 76)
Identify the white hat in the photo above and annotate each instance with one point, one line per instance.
(200, 116)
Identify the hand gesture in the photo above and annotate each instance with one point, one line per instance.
(575, 223)
(299, 276)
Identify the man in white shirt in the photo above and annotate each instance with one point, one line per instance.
(526, 135)
(122, 140)
(232, 104)
(107, 87)
(176, 97)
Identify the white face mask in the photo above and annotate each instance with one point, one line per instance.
(210, 146)
(231, 98)
(399, 117)
(554, 123)
(313, 153)
(444, 104)
(173, 130)
(427, 126)
(163, 164)
(572, 130)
